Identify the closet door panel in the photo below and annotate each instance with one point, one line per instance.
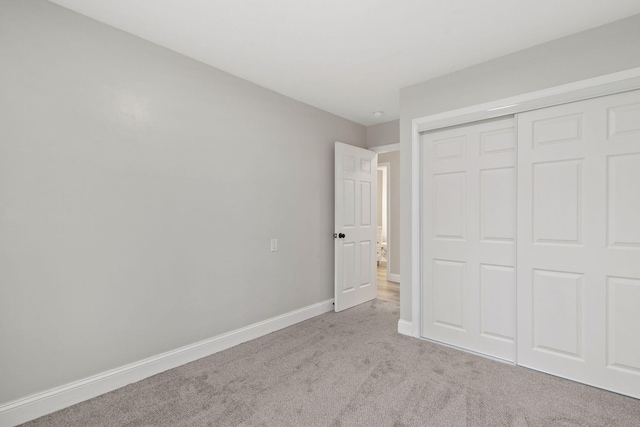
(469, 230)
(578, 241)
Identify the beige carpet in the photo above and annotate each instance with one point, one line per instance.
(352, 369)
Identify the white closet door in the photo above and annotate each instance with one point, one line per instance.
(469, 227)
(579, 241)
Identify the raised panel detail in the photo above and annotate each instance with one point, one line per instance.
(623, 213)
(365, 204)
(365, 165)
(448, 293)
(497, 141)
(349, 262)
(557, 202)
(557, 130)
(349, 203)
(349, 163)
(623, 320)
(557, 312)
(624, 120)
(450, 147)
(498, 302)
(365, 263)
(498, 204)
(449, 206)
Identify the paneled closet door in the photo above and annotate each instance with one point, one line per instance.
(579, 241)
(468, 229)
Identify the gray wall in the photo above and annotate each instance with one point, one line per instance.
(138, 193)
(603, 50)
(394, 208)
(383, 134)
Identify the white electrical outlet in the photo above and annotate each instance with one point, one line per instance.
(274, 245)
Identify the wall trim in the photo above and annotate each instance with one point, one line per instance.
(405, 328)
(385, 148)
(607, 84)
(37, 405)
(392, 277)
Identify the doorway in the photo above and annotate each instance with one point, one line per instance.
(358, 276)
(388, 235)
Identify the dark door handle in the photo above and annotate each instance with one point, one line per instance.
(342, 235)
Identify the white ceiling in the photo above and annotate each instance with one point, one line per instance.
(349, 57)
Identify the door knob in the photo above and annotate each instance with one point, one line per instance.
(342, 235)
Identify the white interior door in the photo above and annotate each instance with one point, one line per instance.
(579, 241)
(469, 230)
(356, 183)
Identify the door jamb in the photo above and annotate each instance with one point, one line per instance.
(385, 148)
(608, 84)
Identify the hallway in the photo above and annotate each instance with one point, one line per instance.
(387, 291)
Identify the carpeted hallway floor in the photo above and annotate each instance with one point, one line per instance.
(353, 369)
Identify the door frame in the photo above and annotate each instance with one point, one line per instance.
(381, 149)
(608, 84)
(384, 199)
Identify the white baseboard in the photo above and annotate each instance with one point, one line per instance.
(395, 278)
(405, 327)
(37, 405)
